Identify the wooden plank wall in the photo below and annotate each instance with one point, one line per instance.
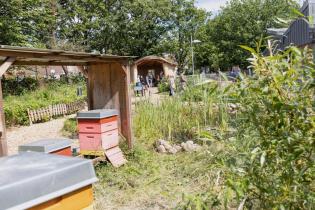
(56, 110)
(108, 88)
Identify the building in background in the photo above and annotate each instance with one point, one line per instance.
(301, 32)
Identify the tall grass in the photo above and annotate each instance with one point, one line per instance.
(183, 117)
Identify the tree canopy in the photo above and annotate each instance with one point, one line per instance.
(142, 27)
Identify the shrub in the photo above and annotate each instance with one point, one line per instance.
(276, 129)
(15, 107)
(164, 86)
(70, 127)
(19, 87)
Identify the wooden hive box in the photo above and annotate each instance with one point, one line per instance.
(51, 146)
(98, 131)
(33, 180)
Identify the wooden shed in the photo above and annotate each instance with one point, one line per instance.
(153, 64)
(108, 80)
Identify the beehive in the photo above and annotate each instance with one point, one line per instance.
(98, 131)
(33, 180)
(52, 146)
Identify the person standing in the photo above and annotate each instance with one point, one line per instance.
(183, 81)
(172, 85)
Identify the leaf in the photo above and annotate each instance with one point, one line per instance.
(297, 12)
(263, 159)
(248, 49)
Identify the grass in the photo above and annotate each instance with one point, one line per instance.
(156, 181)
(70, 128)
(15, 107)
(151, 180)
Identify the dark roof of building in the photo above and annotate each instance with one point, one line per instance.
(299, 33)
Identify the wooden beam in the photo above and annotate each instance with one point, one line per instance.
(3, 137)
(49, 63)
(62, 56)
(125, 105)
(6, 65)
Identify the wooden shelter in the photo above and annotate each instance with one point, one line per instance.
(154, 64)
(108, 80)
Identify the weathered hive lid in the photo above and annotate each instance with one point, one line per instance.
(97, 114)
(46, 145)
(32, 178)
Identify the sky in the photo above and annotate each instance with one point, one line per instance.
(214, 5)
(211, 5)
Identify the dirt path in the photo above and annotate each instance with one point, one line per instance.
(27, 134)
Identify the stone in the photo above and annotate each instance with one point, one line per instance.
(172, 151)
(190, 142)
(161, 149)
(178, 148)
(168, 147)
(161, 142)
(186, 147)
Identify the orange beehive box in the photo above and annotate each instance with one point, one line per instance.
(98, 131)
(51, 146)
(36, 181)
(77, 200)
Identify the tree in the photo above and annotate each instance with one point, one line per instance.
(185, 21)
(25, 23)
(241, 22)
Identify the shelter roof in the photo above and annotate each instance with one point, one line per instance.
(152, 58)
(35, 56)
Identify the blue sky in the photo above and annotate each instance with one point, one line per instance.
(214, 5)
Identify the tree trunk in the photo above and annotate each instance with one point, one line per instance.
(65, 70)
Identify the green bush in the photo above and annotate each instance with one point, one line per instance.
(276, 138)
(70, 127)
(19, 87)
(163, 86)
(15, 107)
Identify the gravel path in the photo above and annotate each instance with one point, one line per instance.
(27, 134)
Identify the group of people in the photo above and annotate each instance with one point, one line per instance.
(144, 84)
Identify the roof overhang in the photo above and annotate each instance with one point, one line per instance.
(150, 59)
(34, 56)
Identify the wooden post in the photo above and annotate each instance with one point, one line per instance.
(3, 139)
(125, 105)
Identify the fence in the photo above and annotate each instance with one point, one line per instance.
(56, 110)
(200, 78)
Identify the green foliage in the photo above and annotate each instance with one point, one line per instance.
(180, 120)
(15, 107)
(70, 128)
(164, 86)
(241, 22)
(276, 127)
(26, 23)
(18, 87)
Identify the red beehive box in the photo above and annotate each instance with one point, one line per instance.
(51, 146)
(98, 131)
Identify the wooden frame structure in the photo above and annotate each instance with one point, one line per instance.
(108, 80)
